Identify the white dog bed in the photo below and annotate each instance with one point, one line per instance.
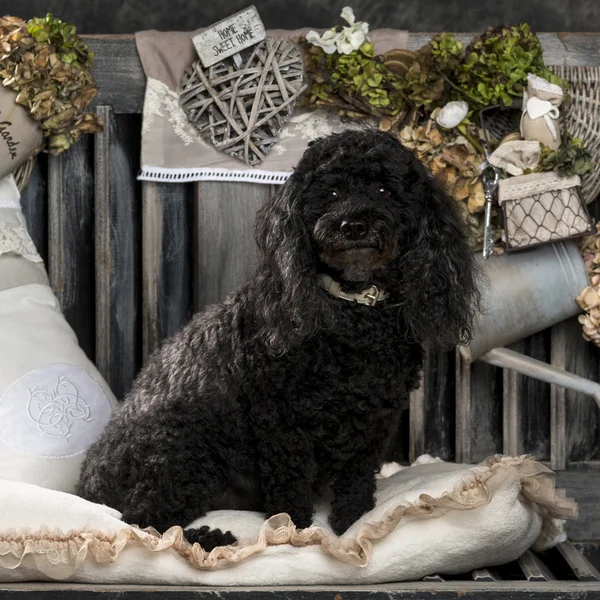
(433, 517)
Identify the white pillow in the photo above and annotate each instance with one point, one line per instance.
(430, 518)
(53, 401)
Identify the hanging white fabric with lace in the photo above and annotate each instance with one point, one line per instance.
(14, 237)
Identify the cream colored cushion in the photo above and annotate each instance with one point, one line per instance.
(430, 518)
(53, 401)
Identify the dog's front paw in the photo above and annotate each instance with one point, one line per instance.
(302, 523)
(341, 521)
(302, 518)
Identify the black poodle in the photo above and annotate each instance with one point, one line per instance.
(295, 384)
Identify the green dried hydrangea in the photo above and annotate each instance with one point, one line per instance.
(428, 78)
(356, 84)
(71, 49)
(569, 160)
(48, 65)
(497, 63)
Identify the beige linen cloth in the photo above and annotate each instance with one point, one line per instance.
(431, 517)
(517, 156)
(173, 151)
(541, 115)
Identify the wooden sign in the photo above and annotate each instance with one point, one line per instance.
(229, 36)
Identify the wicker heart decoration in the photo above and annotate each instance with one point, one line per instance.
(241, 110)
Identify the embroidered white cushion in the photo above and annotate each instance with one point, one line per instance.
(53, 401)
(430, 518)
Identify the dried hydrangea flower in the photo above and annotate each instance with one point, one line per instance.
(49, 67)
(589, 298)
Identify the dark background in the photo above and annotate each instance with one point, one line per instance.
(128, 16)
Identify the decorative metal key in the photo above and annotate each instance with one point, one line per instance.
(489, 179)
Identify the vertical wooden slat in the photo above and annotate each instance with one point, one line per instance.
(175, 304)
(432, 420)
(510, 409)
(486, 398)
(152, 234)
(526, 404)
(225, 253)
(166, 263)
(478, 410)
(581, 412)
(558, 438)
(440, 417)
(116, 216)
(417, 419)
(71, 256)
(534, 401)
(34, 204)
(463, 410)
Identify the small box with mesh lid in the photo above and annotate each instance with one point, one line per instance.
(541, 208)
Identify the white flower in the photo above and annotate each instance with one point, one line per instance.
(353, 37)
(346, 41)
(452, 114)
(348, 15)
(327, 41)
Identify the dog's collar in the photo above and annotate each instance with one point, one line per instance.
(369, 297)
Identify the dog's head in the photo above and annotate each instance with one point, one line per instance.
(363, 209)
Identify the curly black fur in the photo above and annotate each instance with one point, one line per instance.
(283, 390)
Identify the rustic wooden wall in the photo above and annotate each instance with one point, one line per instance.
(129, 263)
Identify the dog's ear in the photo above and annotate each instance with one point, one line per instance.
(289, 311)
(440, 277)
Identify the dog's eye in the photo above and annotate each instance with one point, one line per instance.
(332, 195)
(384, 193)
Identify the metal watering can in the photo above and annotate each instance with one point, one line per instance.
(525, 293)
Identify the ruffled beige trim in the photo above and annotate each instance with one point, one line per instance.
(59, 555)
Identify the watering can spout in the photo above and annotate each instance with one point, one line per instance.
(509, 359)
(524, 293)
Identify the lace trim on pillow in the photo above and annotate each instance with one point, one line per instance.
(58, 555)
(17, 240)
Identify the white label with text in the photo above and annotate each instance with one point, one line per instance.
(229, 36)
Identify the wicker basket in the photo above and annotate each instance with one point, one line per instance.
(23, 173)
(581, 118)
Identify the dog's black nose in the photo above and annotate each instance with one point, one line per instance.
(354, 230)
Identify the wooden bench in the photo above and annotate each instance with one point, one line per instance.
(131, 261)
